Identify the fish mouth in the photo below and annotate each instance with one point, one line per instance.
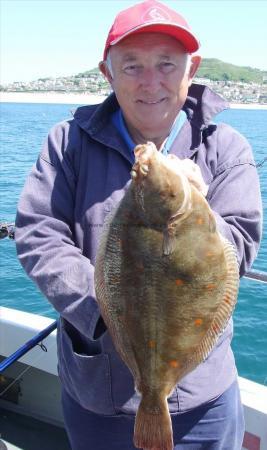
(143, 154)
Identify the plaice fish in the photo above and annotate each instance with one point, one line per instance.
(166, 283)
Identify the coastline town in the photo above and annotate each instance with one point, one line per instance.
(92, 82)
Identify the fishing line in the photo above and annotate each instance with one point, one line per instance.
(39, 357)
(260, 164)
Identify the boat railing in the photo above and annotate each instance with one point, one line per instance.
(256, 275)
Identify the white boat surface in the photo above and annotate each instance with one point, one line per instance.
(30, 407)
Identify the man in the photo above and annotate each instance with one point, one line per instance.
(82, 172)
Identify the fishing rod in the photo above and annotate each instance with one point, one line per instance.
(28, 346)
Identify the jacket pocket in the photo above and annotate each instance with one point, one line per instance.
(85, 376)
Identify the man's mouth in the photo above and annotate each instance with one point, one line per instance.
(151, 102)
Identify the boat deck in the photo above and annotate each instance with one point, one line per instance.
(20, 432)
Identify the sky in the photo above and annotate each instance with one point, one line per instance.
(53, 38)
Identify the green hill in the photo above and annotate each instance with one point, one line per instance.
(88, 73)
(216, 70)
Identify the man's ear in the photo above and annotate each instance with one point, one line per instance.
(195, 63)
(105, 71)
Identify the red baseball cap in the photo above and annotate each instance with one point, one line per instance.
(151, 16)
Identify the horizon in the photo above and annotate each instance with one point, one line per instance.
(62, 34)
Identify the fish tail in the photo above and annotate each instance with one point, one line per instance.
(153, 427)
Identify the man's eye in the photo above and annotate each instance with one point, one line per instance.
(132, 69)
(166, 67)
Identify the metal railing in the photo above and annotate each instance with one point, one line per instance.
(256, 275)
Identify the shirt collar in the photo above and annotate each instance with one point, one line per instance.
(119, 122)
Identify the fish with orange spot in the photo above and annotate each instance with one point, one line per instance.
(211, 286)
(199, 221)
(174, 309)
(198, 322)
(152, 343)
(173, 363)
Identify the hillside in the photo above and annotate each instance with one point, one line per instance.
(217, 70)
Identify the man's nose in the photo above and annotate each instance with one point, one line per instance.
(150, 79)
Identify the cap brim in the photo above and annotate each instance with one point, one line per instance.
(187, 39)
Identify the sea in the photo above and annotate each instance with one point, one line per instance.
(23, 128)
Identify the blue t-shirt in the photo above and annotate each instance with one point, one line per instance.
(119, 122)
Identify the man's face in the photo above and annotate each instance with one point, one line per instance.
(151, 76)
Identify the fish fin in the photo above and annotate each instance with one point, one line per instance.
(169, 241)
(106, 294)
(226, 307)
(212, 223)
(153, 428)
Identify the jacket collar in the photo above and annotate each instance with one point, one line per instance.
(201, 105)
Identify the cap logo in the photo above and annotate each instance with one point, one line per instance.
(156, 15)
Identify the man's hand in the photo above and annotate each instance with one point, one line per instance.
(193, 173)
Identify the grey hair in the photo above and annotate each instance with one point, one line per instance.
(108, 64)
